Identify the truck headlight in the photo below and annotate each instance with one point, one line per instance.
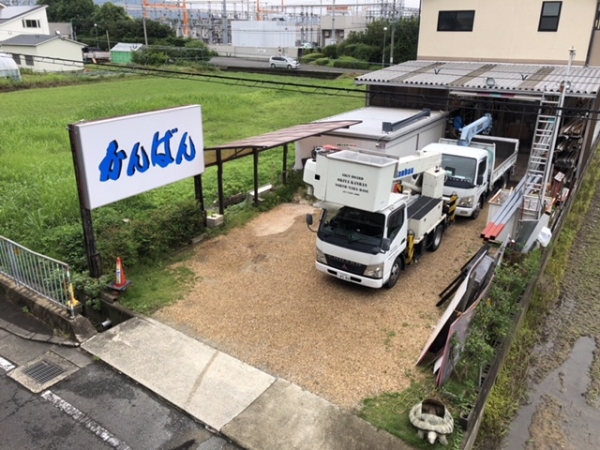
(321, 257)
(466, 201)
(374, 271)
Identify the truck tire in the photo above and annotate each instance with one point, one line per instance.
(436, 238)
(505, 179)
(394, 274)
(477, 210)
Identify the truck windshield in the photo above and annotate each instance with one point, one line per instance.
(460, 171)
(353, 228)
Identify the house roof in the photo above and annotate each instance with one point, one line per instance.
(125, 47)
(33, 40)
(507, 78)
(9, 13)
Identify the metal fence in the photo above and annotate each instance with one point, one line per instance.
(46, 276)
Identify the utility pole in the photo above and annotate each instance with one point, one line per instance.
(394, 18)
(144, 24)
(224, 23)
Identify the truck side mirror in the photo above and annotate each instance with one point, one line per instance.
(479, 179)
(385, 244)
(309, 219)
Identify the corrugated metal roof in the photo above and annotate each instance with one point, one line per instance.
(515, 78)
(125, 47)
(30, 39)
(286, 135)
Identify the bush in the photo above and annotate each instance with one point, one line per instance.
(307, 59)
(362, 52)
(351, 63)
(331, 51)
(141, 239)
(322, 61)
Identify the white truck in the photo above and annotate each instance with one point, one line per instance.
(367, 233)
(476, 166)
(475, 172)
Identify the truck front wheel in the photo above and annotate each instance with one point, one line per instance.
(394, 274)
(477, 210)
(436, 238)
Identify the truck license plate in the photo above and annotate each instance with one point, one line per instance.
(343, 276)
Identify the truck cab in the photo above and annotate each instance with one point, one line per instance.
(467, 175)
(361, 246)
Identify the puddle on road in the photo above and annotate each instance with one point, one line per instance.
(557, 409)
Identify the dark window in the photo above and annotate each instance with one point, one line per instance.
(550, 15)
(27, 23)
(395, 223)
(481, 169)
(597, 22)
(456, 20)
(29, 60)
(17, 59)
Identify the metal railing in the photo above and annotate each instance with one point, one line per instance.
(46, 276)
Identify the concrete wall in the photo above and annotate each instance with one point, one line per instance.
(257, 53)
(507, 31)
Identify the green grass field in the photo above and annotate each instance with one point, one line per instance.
(39, 206)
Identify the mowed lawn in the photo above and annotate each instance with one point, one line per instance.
(37, 182)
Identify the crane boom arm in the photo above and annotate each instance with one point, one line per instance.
(473, 129)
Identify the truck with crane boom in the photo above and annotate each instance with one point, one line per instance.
(368, 232)
(476, 166)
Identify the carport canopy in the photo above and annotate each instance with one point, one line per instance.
(220, 154)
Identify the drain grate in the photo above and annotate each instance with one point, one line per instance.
(43, 371)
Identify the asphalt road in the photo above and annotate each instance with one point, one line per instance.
(93, 408)
(263, 65)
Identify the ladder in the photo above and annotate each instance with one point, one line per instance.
(542, 147)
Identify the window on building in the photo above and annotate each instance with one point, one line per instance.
(17, 59)
(456, 20)
(29, 23)
(550, 15)
(597, 22)
(29, 60)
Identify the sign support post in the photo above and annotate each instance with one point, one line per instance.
(93, 256)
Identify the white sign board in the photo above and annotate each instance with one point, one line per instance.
(124, 156)
(359, 180)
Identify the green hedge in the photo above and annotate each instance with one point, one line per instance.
(307, 59)
(351, 64)
(322, 61)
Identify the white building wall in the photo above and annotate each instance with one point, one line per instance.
(15, 27)
(57, 48)
(271, 34)
(507, 31)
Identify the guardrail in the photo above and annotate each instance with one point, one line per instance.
(46, 276)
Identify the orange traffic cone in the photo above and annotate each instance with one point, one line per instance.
(121, 283)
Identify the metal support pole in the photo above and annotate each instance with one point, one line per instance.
(220, 182)
(93, 256)
(285, 155)
(198, 193)
(383, 48)
(392, 42)
(255, 155)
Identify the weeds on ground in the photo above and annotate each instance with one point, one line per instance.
(510, 390)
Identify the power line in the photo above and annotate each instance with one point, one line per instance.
(440, 103)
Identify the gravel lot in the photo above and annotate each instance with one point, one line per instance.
(259, 298)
